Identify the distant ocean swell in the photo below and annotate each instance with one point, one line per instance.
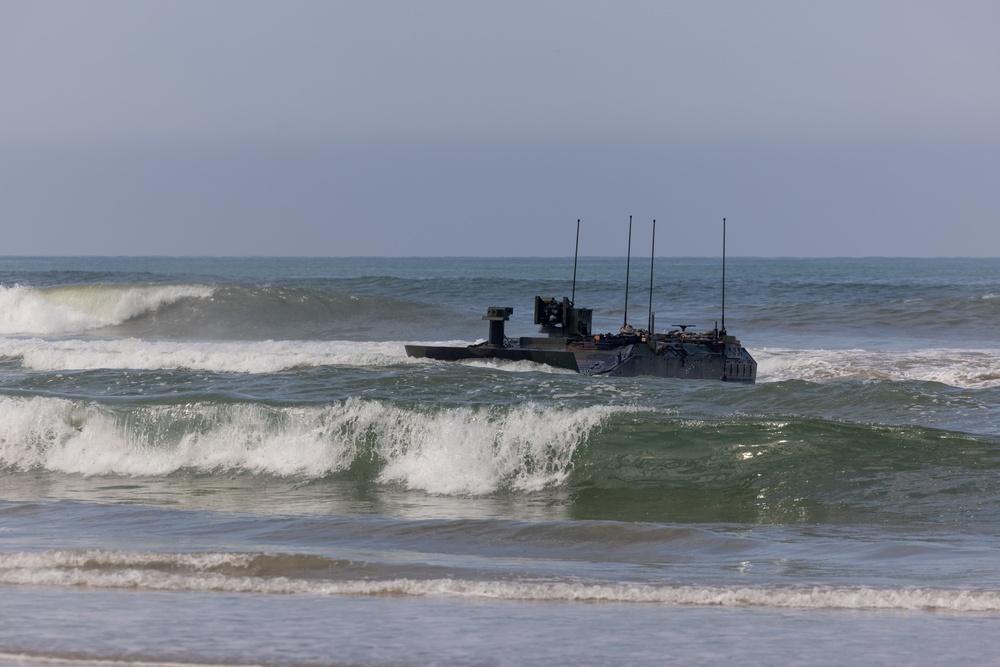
(235, 312)
(382, 308)
(263, 574)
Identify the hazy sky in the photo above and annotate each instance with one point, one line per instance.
(487, 128)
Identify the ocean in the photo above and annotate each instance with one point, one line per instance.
(231, 461)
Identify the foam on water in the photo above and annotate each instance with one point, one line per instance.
(216, 356)
(514, 366)
(269, 356)
(468, 450)
(74, 308)
(958, 368)
(233, 573)
(447, 451)
(955, 367)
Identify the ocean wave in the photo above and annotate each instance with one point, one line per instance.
(457, 450)
(210, 312)
(616, 462)
(75, 308)
(238, 573)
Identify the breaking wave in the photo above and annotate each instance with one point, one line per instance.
(76, 308)
(615, 462)
(462, 450)
(209, 312)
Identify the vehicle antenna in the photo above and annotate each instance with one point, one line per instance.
(723, 276)
(652, 254)
(628, 261)
(576, 255)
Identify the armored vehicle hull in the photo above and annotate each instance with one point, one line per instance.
(712, 355)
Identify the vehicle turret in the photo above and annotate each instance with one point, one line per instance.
(560, 318)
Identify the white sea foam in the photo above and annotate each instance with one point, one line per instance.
(516, 366)
(465, 450)
(67, 309)
(228, 573)
(955, 367)
(219, 356)
(269, 356)
(446, 451)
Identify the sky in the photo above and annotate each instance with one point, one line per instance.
(468, 128)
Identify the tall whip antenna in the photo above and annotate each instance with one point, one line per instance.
(628, 261)
(576, 255)
(723, 275)
(652, 254)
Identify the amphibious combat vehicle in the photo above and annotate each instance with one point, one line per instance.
(712, 355)
(570, 343)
